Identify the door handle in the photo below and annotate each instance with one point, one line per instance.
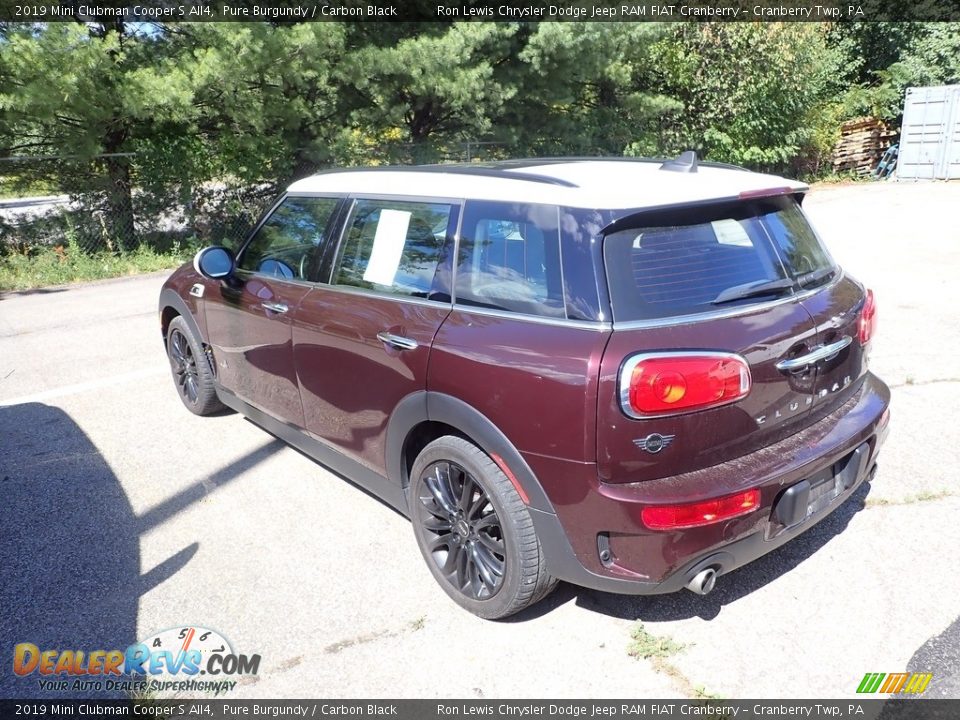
(824, 352)
(401, 343)
(277, 307)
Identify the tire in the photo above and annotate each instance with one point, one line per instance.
(191, 370)
(480, 545)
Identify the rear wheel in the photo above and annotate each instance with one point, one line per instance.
(474, 531)
(191, 369)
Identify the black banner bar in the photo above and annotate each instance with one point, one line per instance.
(478, 10)
(199, 709)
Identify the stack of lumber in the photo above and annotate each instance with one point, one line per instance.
(861, 145)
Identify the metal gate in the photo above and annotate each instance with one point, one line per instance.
(930, 137)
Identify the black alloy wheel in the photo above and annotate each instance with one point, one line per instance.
(184, 366)
(475, 531)
(192, 371)
(465, 536)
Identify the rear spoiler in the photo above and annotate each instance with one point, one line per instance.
(625, 221)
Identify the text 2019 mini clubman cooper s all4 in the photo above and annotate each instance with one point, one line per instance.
(628, 375)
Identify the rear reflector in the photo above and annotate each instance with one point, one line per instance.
(501, 463)
(672, 383)
(677, 517)
(868, 318)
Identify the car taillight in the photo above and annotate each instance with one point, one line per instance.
(868, 318)
(671, 383)
(677, 517)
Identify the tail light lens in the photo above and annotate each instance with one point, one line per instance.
(677, 517)
(868, 319)
(671, 383)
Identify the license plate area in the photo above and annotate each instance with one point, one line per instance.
(816, 493)
(823, 493)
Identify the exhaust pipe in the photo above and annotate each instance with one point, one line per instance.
(703, 582)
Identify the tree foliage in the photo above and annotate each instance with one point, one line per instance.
(145, 119)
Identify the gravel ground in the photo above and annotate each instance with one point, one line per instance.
(123, 515)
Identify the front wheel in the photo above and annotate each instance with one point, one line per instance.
(474, 531)
(191, 369)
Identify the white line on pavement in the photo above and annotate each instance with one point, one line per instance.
(84, 386)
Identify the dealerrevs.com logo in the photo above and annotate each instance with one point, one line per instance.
(183, 659)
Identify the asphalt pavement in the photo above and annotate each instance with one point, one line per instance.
(123, 515)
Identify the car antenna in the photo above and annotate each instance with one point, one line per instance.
(685, 162)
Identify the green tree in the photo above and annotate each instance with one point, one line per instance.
(86, 94)
(582, 89)
(752, 93)
(435, 86)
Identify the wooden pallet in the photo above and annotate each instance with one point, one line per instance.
(861, 145)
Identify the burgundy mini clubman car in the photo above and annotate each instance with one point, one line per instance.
(631, 375)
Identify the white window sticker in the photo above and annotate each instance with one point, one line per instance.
(731, 232)
(387, 247)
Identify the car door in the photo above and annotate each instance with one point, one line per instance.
(362, 340)
(249, 318)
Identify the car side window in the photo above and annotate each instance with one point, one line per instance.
(509, 258)
(397, 247)
(285, 245)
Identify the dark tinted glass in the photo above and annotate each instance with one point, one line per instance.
(510, 258)
(580, 238)
(803, 254)
(666, 264)
(285, 244)
(397, 247)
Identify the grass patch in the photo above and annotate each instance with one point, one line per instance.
(418, 623)
(700, 693)
(656, 649)
(61, 265)
(925, 496)
(647, 645)
(12, 188)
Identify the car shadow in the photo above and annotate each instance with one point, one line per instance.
(70, 575)
(940, 655)
(729, 589)
(31, 291)
(69, 564)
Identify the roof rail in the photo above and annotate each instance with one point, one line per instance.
(532, 162)
(493, 170)
(477, 169)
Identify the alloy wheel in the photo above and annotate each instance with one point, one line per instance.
(184, 366)
(461, 530)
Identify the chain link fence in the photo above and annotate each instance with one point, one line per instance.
(111, 204)
(108, 212)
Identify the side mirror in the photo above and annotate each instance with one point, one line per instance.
(216, 262)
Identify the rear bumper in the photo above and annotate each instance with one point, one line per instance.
(605, 520)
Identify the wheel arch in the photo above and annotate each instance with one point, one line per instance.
(424, 416)
(172, 305)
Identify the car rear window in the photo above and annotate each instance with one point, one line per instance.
(670, 263)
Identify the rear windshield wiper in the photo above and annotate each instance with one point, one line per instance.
(815, 276)
(752, 289)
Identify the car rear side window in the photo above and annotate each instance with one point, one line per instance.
(286, 243)
(398, 248)
(670, 263)
(509, 258)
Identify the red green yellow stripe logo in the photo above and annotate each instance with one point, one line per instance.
(913, 683)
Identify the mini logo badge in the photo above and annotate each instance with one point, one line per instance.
(654, 442)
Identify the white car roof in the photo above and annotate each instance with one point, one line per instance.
(588, 183)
